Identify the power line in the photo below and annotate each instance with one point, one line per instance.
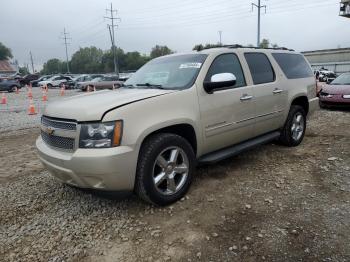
(114, 20)
(65, 38)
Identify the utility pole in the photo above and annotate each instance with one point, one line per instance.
(114, 20)
(259, 6)
(31, 60)
(65, 38)
(220, 35)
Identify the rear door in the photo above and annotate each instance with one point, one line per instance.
(227, 115)
(269, 93)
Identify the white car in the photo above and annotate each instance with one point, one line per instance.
(55, 81)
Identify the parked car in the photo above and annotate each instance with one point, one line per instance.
(104, 82)
(325, 75)
(89, 78)
(35, 83)
(175, 112)
(9, 85)
(337, 93)
(28, 78)
(125, 75)
(71, 84)
(54, 81)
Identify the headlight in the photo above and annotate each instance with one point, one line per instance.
(101, 135)
(346, 96)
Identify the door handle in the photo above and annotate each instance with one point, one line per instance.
(246, 97)
(277, 91)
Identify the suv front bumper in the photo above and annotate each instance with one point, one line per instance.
(111, 169)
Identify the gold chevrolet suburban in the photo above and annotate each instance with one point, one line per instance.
(175, 112)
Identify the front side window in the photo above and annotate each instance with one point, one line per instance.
(227, 63)
(293, 66)
(260, 68)
(169, 72)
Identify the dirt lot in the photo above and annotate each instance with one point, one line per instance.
(273, 203)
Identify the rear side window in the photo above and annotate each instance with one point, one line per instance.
(293, 65)
(260, 68)
(227, 63)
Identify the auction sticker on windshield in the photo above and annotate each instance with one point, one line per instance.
(190, 65)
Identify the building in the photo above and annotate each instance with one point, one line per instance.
(337, 60)
(345, 8)
(7, 68)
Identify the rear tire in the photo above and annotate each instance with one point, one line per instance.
(165, 169)
(294, 129)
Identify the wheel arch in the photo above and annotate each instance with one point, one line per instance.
(302, 101)
(185, 130)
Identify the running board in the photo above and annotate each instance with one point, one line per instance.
(222, 154)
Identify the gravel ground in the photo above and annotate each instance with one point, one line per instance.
(273, 203)
(14, 115)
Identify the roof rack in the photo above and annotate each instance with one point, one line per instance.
(240, 46)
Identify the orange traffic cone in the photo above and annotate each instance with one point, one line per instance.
(3, 99)
(44, 98)
(31, 110)
(63, 89)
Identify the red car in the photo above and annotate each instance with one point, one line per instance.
(337, 93)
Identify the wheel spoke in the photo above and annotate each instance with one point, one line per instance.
(159, 178)
(174, 155)
(162, 162)
(298, 119)
(180, 169)
(171, 184)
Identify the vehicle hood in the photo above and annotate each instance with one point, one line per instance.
(336, 89)
(92, 106)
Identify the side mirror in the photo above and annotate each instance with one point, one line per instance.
(219, 81)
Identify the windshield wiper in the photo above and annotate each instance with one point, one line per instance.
(151, 85)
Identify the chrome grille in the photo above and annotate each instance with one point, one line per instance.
(58, 141)
(61, 124)
(59, 133)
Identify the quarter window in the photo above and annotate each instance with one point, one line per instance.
(293, 65)
(227, 63)
(260, 68)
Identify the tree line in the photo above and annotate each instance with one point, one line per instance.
(95, 60)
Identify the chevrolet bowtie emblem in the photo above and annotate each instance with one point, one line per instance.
(50, 130)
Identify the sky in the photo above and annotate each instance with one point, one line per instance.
(37, 26)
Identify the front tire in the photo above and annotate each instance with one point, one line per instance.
(294, 129)
(165, 169)
(12, 89)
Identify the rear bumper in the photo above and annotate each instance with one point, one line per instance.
(313, 105)
(104, 169)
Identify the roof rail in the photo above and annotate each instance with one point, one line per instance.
(240, 46)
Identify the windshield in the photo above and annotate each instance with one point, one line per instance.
(343, 79)
(170, 72)
(96, 79)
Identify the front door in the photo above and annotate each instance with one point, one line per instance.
(227, 115)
